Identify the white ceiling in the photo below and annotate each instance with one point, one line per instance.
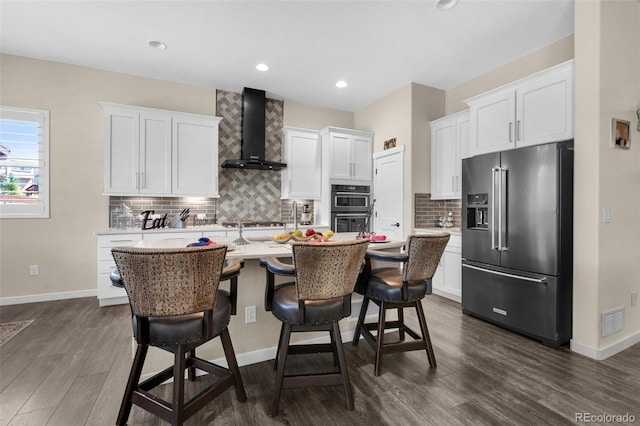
(376, 46)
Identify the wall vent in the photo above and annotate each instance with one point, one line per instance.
(612, 321)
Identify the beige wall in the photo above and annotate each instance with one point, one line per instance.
(607, 256)
(310, 117)
(553, 54)
(64, 246)
(427, 104)
(390, 117)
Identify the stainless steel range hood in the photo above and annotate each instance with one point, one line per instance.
(252, 145)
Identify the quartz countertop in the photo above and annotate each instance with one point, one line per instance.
(203, 228)
(259, 249)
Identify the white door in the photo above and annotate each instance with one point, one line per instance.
(389, 193)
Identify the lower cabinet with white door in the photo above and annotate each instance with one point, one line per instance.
(447, 282)
(107, 293)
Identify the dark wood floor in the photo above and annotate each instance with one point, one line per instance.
(70, 367)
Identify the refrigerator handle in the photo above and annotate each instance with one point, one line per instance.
(504, 274)
(502, 240)
(494, 171)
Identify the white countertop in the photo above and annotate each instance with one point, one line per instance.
(452, 231)
(203, 228)
(259, 249)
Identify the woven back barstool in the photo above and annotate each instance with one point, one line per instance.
(176, 306)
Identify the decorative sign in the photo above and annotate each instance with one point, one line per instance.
(150, 220)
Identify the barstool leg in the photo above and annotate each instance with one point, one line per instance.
(132, 384)
(275, 360)
(343, 365)
(361, 317)
(380, 339)
(233, 365)
(401, 322)
(282, 360)
(425, 334)
(192, 370)
(334, 349)
(177, 405)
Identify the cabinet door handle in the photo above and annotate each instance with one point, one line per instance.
(137, 180)
(518, 130)
(143, 180)
(510, 129)
(453, 183)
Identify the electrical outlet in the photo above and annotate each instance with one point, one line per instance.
(33, 270)
(606, 215)
(249, 314)
(634, 298)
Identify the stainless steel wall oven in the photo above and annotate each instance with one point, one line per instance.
(349, 207)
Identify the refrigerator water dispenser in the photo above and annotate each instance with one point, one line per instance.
(478, 211)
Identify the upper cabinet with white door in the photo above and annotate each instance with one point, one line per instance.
(159, 153)
(302, 152)
(449, 144)
(534, 110)
(350, 153)
(194, 156)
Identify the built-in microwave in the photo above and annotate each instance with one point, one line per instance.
(350, 198)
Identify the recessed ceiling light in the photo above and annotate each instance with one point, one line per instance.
(445, 4)
(341, 84)
(157, 44)
(262, 67)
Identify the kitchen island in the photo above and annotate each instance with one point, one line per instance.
(256, 341)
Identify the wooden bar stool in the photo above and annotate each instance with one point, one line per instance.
(399, 288)
(177, 306)
(325, 275)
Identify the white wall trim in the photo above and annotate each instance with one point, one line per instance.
(607, 351)
(386, 152)
(17, 300)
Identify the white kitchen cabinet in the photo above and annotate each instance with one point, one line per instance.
(302, 152)
(534, 110)
(449, 139)
(195, 155)
(159, 153)
(137, 151)
(350, 154)
(107, 293)
(447, 281)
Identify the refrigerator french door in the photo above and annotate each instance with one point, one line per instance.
(517, 239)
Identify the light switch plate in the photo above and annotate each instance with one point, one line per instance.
(606, 215)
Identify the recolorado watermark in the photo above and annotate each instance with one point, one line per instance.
(604, 418)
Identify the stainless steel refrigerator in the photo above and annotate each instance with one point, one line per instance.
(517, 232)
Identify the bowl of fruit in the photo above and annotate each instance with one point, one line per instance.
(282, 238)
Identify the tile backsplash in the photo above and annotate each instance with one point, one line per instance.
(244, 194)
(428, 211)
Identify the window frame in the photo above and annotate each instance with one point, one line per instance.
(41, 209)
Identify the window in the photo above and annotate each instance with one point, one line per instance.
(24, 163)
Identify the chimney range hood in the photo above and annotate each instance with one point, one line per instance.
(252, 145)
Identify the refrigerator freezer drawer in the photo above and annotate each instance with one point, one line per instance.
(537, 306)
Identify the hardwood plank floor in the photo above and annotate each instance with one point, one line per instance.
(70, 368)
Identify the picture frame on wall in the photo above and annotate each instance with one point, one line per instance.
(391, 143)
(620, 134)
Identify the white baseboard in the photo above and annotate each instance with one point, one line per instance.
(607, 351)
(46, 297)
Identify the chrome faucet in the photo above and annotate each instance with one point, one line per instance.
(294, 206)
